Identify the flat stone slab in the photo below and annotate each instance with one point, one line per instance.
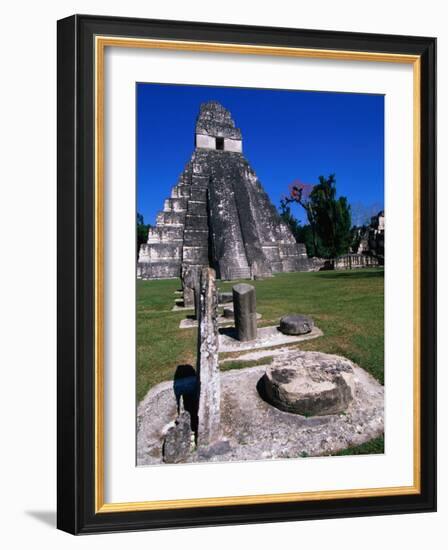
(266, 337)
(254, 429)
(222, 321)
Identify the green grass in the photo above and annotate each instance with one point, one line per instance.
(232, 365)
(374, 446)
(347, 305)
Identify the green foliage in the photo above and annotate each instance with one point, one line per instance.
(301, 233)
(330, 218)
(291, 221)
(330, 222)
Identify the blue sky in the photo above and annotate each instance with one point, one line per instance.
(287, 135)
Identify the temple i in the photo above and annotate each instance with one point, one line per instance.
(218, 214)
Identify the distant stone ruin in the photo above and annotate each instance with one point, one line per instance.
(218, 214)
(371, 238)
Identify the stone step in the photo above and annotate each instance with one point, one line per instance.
(194, 237)
(271, 253)
(197, 208)
(165, 234)
(200, 180)
(170, 218)
(158, 270)
(195, 254)
(175, 205)
(180, 191)
(159, 252)
(194, 221)
(288, 250)
(233, 273)
(277, 267)
(198, 193)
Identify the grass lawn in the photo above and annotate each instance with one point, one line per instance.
(347, 305)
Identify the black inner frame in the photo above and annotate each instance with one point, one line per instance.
(76, 407)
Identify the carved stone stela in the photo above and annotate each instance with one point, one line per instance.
(209, 414)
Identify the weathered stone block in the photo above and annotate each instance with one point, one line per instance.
(171, 218)
(165, 234)
(196, 207)
(233, 145)
(176, 447)
(244, 307)
(195, 254)
(193, 221)
(195, 237)
(199, 193)
(205, 142)
(180, 191)
(175, 205)
(287, 250)
(158, 270)
(271, 253)
(164, 251)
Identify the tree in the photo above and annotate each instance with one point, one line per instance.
(142, 231)
(329, 217)
(291, 221)
(302, 233)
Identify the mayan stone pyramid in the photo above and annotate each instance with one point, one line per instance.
(219, 215)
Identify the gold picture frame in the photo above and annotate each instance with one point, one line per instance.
(98, 34)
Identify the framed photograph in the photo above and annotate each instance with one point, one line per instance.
(246, 274)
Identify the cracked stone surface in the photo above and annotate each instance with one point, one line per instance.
(253, 429)
(310, 384)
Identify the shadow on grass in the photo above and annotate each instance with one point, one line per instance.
(353, 274)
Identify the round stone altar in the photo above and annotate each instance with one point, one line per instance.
(296, 324)
(310, 385)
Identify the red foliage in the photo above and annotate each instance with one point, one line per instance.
(299, 191)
